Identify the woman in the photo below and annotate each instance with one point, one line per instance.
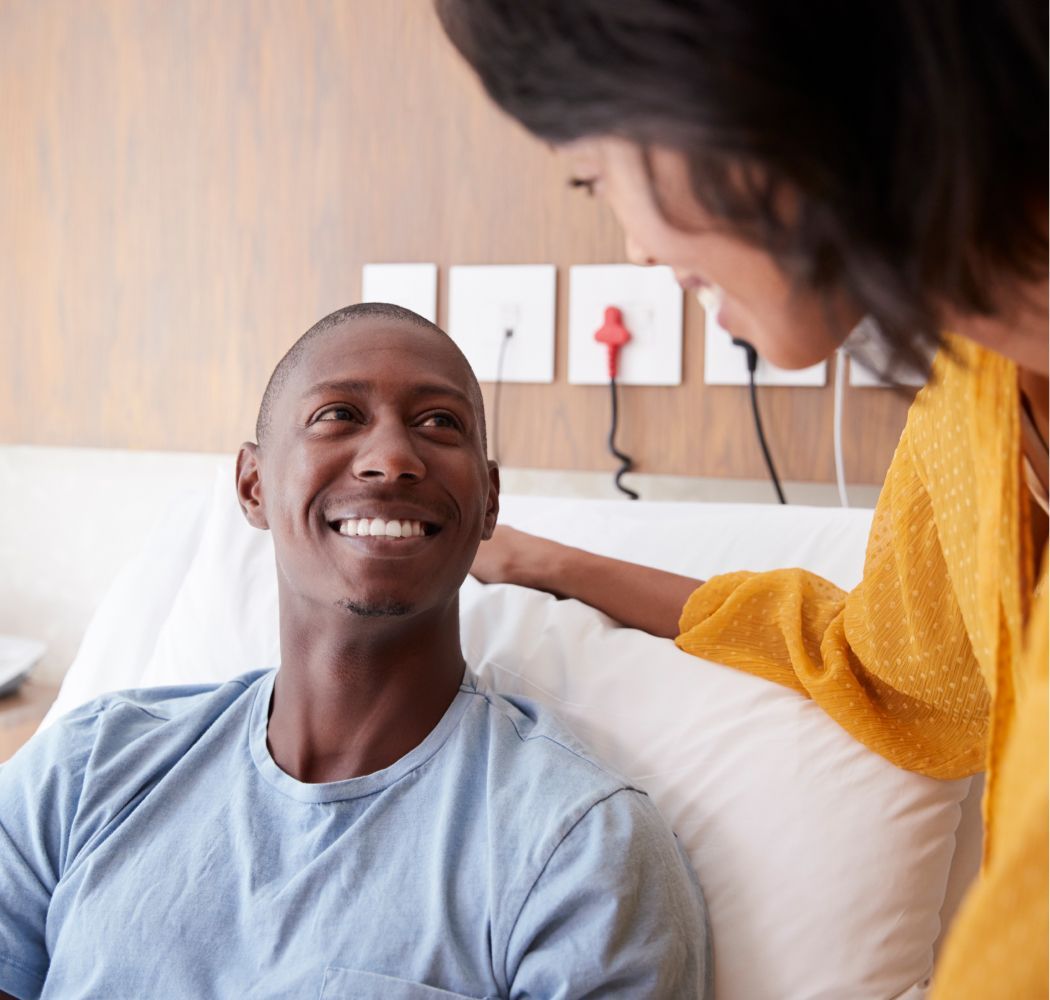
(819, 163)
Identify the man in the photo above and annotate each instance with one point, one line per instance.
(369, 820)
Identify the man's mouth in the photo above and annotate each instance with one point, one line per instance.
(377, 527)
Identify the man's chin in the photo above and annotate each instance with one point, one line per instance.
(374, 609)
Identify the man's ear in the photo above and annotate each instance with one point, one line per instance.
(249, 486)
(492, 503)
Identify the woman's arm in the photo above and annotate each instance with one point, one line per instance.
(637, 596)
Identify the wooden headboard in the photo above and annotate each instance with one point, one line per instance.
(186, 187)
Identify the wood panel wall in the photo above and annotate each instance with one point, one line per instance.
(186, 186)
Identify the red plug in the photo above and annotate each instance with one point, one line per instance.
(614, 335)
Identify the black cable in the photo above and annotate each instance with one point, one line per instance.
(626, 462)
(752, 364)
(497, 391)
(762, 441)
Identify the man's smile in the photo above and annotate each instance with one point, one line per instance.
(385, 520)
(376, 527)
(386, 529)
(387, 546)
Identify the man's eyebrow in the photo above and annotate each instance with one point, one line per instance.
(417, 390)
(339, 385)
(440, 389)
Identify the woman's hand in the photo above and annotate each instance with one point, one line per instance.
(513, 556)
(637, 596)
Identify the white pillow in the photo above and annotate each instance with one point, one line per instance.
(224, 619)
(824, 866)
(122, 633)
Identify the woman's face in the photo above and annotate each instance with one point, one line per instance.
(790, 327)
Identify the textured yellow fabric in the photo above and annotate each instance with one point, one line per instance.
(998, 943)
(925, 661)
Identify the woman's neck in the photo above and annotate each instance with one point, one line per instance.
(1018, 330)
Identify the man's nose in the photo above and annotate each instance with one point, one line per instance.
(636, 255)
(386, 453)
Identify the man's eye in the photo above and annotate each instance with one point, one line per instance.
(588, 184)
(337, 413)
(440, 420)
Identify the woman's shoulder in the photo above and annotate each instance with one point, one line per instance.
(966, 412)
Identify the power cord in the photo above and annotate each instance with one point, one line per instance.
(615, 336)
(752, 364)
(498, 391)
(840, 391)
(626, 463)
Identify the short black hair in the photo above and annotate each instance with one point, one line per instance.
(360, 310)
(913, 132)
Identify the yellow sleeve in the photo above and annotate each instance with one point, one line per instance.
(891, 661)
(997, 948)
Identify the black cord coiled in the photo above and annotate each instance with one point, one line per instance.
(626, 463)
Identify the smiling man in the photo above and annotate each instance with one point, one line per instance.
(369, 820)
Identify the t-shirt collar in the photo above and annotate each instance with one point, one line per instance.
(350, 788)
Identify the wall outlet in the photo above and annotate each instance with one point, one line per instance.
(413, 286)
(862, 377)
(484, 302)
(651, 302)
(726, 364)
(867, 342)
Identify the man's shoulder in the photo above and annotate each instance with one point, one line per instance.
(118, 718)
(568, 834)
(531, 751)
(162, 703)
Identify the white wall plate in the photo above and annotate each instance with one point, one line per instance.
(413, 286)
(862, 377)
(726, 364)
(867, 341)
(485, 301)
(651, 302)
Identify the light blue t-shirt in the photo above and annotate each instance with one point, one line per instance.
(150, 847)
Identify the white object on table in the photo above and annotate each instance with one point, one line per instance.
(18, 655)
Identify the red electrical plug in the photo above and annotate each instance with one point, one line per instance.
(614, 335)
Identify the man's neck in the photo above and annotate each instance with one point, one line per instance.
(354, 694)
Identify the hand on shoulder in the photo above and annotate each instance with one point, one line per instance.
(513, 556)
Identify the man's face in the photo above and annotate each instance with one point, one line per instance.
(372, 476)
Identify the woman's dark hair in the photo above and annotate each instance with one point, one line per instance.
(912, 133)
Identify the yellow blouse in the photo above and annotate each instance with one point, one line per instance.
(926, 661)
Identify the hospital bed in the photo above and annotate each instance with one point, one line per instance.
(828, 872)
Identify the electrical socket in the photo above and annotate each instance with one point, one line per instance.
(651, 302)
(866, 341)
(862, 377)
(413, 286)
(726, 364)
(485, 301)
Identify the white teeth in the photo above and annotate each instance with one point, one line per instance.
(376, 527)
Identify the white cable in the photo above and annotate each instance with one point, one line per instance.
(840, 392)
